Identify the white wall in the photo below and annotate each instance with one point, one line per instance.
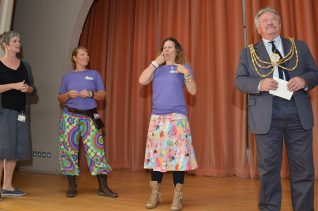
(49, 29)
(6, 7)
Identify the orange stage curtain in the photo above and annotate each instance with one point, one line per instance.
(123, 37)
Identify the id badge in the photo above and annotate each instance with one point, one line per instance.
(21, 117)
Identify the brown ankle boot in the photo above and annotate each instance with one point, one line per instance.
(104, 190)
(72, 190)
(178, 197)
(155, 195)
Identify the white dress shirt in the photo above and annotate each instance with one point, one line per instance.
(279, 46)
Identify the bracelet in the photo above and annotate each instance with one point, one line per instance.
(91, 94)
(154, 64)
(188, 76)
(188, 80)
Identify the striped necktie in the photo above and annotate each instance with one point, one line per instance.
(281, 71)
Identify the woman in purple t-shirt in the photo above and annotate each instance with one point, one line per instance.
(80, 89)
(169, 143)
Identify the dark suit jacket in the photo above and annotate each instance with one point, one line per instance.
(260, 103)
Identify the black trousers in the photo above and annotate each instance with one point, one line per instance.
(178, 176)
(285, 127)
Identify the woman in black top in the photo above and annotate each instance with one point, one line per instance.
(15, 84)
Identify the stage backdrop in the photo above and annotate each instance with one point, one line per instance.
(123, 37)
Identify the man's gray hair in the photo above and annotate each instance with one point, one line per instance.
(265, 10)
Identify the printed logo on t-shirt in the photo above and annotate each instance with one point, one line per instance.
(89, 78)
(173, 69)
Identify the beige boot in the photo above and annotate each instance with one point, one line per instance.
(178, 197)
(155, 195)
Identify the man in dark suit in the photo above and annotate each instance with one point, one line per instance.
(263, 67)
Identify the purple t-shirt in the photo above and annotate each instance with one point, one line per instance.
(168, 90)
(80, 80)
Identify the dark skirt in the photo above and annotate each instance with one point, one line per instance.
(15, 141)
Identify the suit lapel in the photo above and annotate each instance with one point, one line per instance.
(287, 46)
(261, 51)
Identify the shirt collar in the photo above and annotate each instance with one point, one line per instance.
(277, 41)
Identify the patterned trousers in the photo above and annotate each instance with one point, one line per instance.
(74, 128)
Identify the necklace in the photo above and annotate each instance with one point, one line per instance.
(275, 60)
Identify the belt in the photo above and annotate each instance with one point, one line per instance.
(87, 112)
(90, 113)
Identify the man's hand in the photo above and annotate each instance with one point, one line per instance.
(296, 83)
(268, 84)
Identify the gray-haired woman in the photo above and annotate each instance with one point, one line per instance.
(16, 84)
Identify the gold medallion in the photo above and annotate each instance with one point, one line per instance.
(275, 59)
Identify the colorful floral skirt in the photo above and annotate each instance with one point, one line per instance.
(169, 144)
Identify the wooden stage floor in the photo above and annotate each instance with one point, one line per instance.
(47, 193)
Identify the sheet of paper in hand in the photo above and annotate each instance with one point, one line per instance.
(282, 90)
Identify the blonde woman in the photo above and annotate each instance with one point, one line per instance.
(169, 141)
(79, 92)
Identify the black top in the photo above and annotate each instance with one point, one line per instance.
(13, 99)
